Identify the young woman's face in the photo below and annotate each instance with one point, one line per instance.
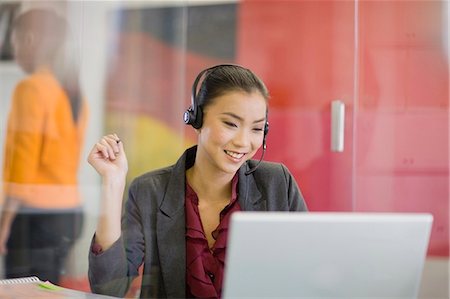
(232, 130)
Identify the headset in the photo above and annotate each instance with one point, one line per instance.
(194, 115)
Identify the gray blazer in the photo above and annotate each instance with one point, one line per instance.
(153, 226)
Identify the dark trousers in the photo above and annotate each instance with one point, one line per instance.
(39, 243)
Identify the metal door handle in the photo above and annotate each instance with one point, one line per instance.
(337, 125)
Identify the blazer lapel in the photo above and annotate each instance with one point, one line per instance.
(250, 199)
(172, 253)
(170, 232)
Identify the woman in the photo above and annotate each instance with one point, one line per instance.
(41, 216)
(175, 219)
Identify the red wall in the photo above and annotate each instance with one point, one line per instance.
(387, 61)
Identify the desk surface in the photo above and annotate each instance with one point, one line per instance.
(40, 289)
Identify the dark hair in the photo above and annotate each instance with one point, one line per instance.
(52, 31)
(226, 78)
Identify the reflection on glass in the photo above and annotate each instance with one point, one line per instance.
(41, 216)
(386, 60)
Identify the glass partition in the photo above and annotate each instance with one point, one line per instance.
(402, 124)
(359, 108)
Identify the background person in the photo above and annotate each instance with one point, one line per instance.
(42, 216)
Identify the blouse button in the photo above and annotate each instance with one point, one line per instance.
(211, 276)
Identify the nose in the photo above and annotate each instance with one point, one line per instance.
(242, 139)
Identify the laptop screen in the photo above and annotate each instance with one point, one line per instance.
(334, 255)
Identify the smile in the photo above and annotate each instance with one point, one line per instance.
(234, 154)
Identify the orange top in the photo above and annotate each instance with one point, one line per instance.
(43, 145)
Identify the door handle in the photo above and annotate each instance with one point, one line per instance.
(337, 126)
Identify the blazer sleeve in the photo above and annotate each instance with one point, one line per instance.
(112, 271)
(295, 198)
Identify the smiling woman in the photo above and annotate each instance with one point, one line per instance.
(233, 125)
(175, 220)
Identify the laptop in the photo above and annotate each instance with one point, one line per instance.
(325, 255)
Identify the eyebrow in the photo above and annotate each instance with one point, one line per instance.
(231, 114)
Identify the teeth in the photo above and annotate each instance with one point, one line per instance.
(234, 155)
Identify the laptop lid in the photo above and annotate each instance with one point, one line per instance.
(328, 255)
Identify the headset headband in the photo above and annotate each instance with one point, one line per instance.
(194, 104)
(193, 115)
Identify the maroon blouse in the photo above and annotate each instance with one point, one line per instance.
(204, 266)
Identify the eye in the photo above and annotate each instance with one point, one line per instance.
(258, 129)
(229, 124)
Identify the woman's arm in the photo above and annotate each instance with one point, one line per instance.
(8, 214)
(109, 160)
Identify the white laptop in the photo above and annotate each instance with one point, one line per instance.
(325, 255)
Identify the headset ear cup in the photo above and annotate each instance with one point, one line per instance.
(266, 131)
(192, 118)
(198, 119)
(266, 128)
(189, 116)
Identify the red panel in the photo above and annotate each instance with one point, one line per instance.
(403, 119)
(304, 52)
(397, 121)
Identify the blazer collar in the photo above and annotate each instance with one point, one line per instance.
(250, 198)
(173, 200)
